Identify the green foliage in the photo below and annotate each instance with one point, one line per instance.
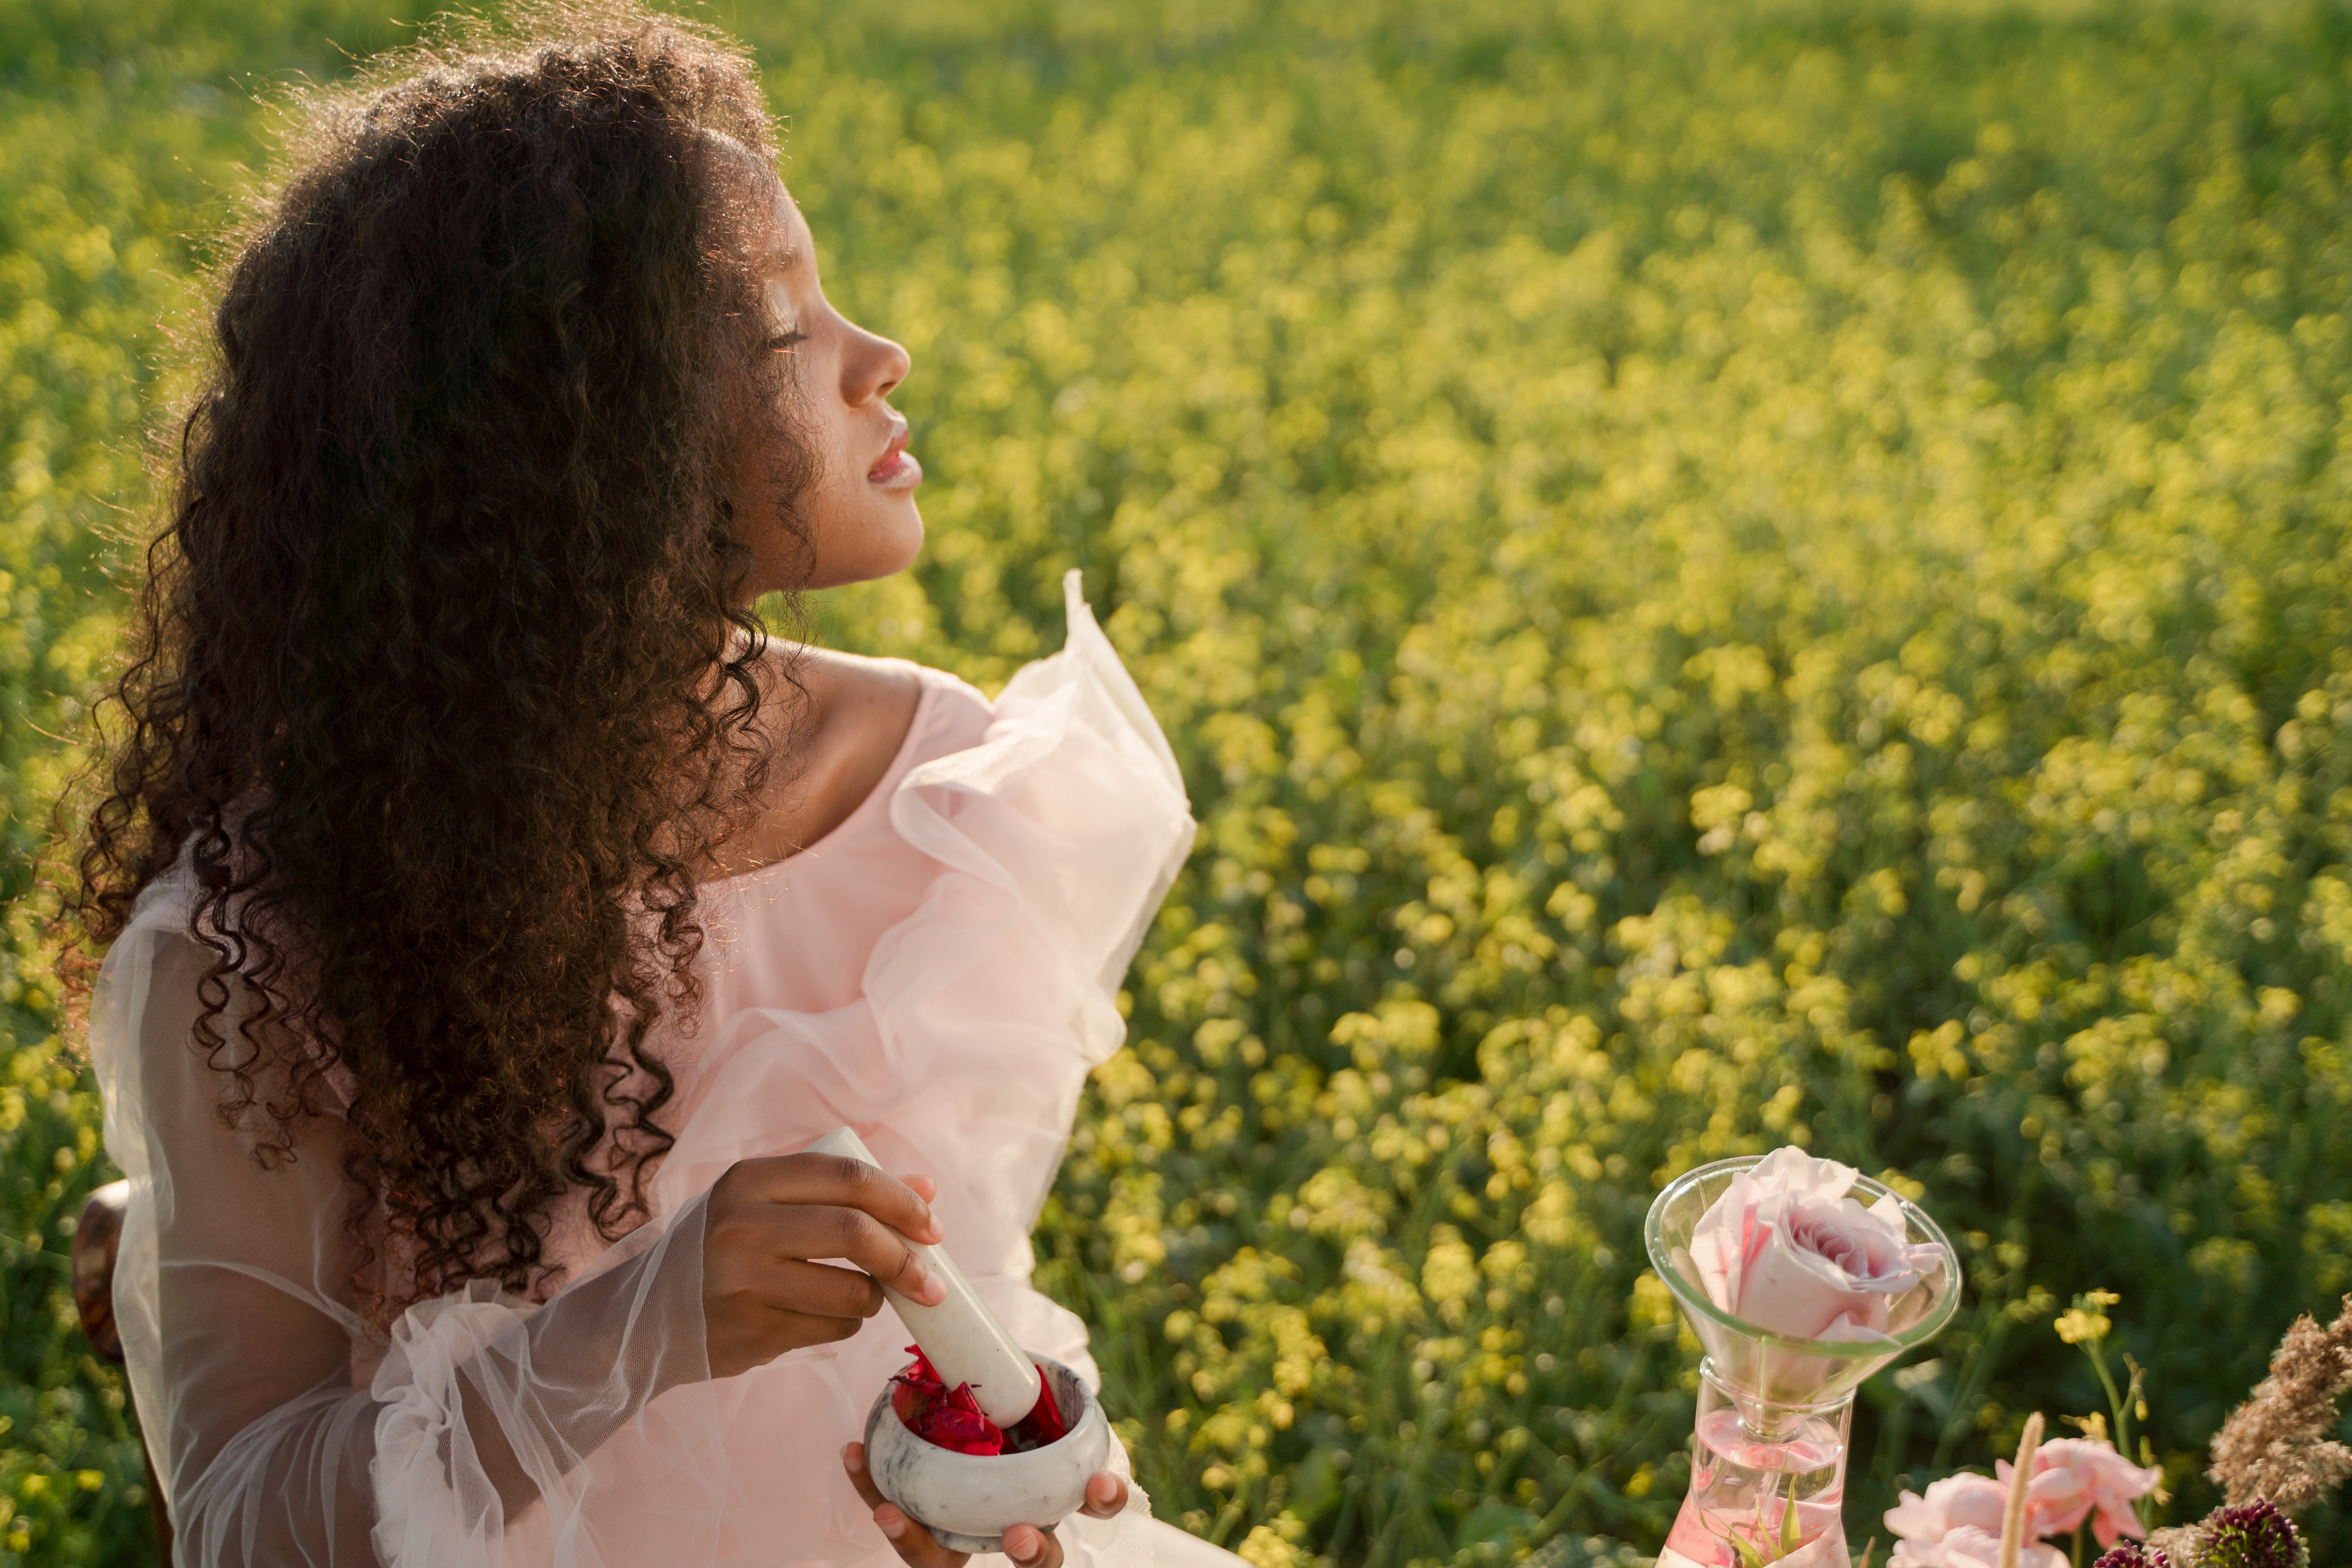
(72, 1487)
(1720, 575)
(123, 133)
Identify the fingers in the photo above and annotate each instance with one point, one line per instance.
(1105, 1495)
(825, 1205)
(839, 1181)
(742, 1281)
(853, 1459)
(799, 1329)
(914, 1545)
(818, 1290)
(809, 1230)
(743, 1339)
(768, 1220)
(1031, 1547)
(1025, 1544)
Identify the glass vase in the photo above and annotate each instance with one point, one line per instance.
(1768, 1452)
(1768, 1482)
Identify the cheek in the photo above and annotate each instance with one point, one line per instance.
(824, 435)
(836, 488)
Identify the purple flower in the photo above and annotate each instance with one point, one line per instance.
(2255, 1536)
(2132, 1554)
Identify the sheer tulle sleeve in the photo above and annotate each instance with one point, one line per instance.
(284, 1428)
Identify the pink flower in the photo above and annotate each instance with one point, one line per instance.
(2078, 1476)
(1965, 1499)
(1969, 1547)
(1786, 1249)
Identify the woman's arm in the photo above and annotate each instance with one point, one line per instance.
(235, 1293)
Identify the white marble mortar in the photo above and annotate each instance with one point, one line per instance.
(969, 1501)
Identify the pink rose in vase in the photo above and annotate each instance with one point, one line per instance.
(1797, 1291)
(1785, 1249)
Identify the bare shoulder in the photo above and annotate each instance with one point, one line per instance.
(847, 728)
(859, 704)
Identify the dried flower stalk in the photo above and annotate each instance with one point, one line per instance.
(2275, 1445)
(2013, 1516)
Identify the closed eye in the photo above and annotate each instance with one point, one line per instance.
(786, 340)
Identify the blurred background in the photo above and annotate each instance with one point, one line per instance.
(1721, 575)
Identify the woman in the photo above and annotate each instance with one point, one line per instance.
(494, 911)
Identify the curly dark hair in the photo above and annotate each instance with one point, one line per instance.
(441, 682)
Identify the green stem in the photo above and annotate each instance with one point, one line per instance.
(2122, 1430)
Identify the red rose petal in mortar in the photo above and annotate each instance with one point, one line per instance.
(1043, 1425)
(942, 1417)
(950, 1418)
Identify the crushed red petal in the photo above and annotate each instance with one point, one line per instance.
(943, 1417)
(1043, 1425)
(951, 1417)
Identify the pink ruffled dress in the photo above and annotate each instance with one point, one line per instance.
(938, 972)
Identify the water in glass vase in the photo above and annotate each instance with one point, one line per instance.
(1768, 1484)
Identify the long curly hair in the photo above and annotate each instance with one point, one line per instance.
(441, 683)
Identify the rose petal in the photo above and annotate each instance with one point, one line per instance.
(952, 1418)
(1043, 1424)
(2074, 1478)
(1965, 1499)
(1801, 1294)
(1969, 1547)
(1717, 1246)
(947, 1418)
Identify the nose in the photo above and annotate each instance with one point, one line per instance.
(873, 365)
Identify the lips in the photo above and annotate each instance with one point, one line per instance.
(896, 469)
(889, 454)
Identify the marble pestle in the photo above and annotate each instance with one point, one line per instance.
(960, 1336)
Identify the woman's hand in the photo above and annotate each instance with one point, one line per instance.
(762, 1296)
(1025, 1544)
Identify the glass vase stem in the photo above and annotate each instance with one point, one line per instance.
(1768, 1482)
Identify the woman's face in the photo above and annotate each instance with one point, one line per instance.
(860, 508)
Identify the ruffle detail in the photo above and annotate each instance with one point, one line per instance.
(423, 1516)
(1070, 816)
(981, 1011)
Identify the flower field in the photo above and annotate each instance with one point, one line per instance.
(1721, 576)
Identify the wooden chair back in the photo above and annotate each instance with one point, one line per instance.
(97, 1240)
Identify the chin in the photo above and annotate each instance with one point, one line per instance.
(879, 547)
(907, 536)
